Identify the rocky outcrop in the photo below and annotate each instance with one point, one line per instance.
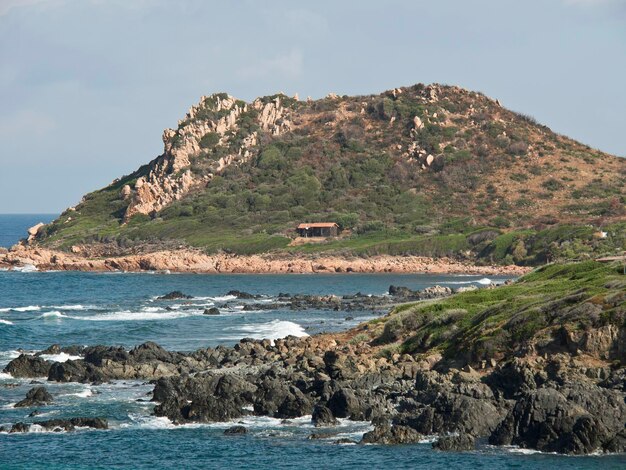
(28, 366)
(59, 425)
(169, 177)
(391, 434)
(462, 442)
(554, 405)
(37, 396)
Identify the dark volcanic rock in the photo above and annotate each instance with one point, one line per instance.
(236, 430)
(242, 295)
(174, 295)
(322, 416)
(344, 404)
(458, 443)
(28, 366)
(207, 398)
(58, 425)
(574, 420)
(387, 434)
(37, 396)
(211, 311)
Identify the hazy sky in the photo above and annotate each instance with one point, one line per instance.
(87, 86)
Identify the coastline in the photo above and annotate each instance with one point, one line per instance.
(195, 261)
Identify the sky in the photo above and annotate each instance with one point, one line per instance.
(88, 86)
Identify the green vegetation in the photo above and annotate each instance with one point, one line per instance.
(488, 323)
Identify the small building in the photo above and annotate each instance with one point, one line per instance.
(318, 229)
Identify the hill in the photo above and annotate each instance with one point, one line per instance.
(426, 170)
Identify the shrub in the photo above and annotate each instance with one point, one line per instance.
(209, 140)
(552, 184)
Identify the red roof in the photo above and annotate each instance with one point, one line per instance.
(318, 225)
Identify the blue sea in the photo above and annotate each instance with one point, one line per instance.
(38, 309)
(13, 227)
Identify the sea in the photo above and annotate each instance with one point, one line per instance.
(38, 309)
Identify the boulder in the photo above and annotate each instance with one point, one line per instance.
(58, 425)
(387, 434)
(28, 366)
(462, 442)
(579, 419)
(211, 311)
(174, 295)
(322, 416)
(37, 396)
(236, 430)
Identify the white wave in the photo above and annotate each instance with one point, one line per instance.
(485, 281)
(53, 315)
(222, 298)
(5, 376)
(73, 307)
(27, 268)
(29, 308)
(61, 357)
(271, 330)
(85, 393)
(127, 315)
(519, 450)
(5, 322)
(148, 422)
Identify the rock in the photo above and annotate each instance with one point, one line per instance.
(578, 419)
(233, 430)
(417, 123)
(37, 396)
(125, 192)
(344, 404)
(396, 434)
(174, 295)
(211, 311)
(58, 425)
(458, 443)
(322, 416)
(34, 230)
(28, 366)
(344, 441)
(242, 295)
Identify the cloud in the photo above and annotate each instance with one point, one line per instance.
(289, 64)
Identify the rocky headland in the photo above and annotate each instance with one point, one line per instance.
(539, 363)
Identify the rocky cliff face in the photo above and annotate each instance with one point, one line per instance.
(169, 177)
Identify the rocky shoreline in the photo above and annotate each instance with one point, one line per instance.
(563, 392)
(195, 261)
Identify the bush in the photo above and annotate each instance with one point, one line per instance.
(209, 140)
(552, 184)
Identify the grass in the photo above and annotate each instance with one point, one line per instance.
(489, 323)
